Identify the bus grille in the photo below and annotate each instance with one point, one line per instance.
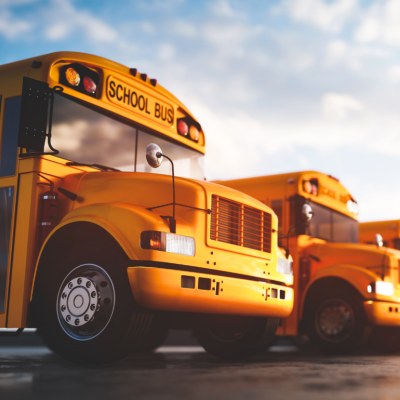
(235, 223)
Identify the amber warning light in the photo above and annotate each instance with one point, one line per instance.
(80, 78)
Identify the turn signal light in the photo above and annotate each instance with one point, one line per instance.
(168, 242)
(72, 77)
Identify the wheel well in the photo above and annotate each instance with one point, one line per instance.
(328, 284)
(64, 241)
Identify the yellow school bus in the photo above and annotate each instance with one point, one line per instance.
(101, 248)
(345, 292)
(388, 230)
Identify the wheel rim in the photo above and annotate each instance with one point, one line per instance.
(335, 320)
(85, 302)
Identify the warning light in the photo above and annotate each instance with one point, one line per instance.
(73, 78)
(194, 133)
(89, 85)
(183, 128)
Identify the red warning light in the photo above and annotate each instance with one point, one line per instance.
(89, 85)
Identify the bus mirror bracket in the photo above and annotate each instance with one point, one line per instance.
(36, 114)
(154, 157)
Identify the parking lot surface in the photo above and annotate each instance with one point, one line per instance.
(34, 372)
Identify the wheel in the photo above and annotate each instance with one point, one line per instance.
(85, 306)
(385, 339)
(155, 336)
(233, 337)
(336, 322)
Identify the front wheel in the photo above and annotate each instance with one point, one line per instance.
(86, 308)
(336, 323)
(234, 337)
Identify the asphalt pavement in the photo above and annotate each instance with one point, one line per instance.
(187, 372)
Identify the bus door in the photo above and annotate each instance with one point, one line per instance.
(10, 110)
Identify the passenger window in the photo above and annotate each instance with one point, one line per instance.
(6, 206)
(9, 142)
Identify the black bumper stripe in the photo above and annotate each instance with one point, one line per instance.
(199, 270)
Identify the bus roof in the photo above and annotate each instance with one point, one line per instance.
(110, 73)
(330, 192)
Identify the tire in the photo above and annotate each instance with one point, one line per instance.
(385, 339)
(85, 306)
(233, 337)
(336, 322)
(155, 336)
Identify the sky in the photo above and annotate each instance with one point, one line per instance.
(278, 86)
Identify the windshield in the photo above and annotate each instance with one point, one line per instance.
(87, 136)
(326, 223)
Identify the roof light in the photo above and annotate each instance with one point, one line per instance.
(73, 78)
(168, 242)
(89, 84)
(352, 206)
(194, 133)
(183, 128)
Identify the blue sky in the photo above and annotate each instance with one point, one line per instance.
(278, 86)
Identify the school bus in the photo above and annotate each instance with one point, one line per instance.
(346, 294)
(100, 248)
(388, 230)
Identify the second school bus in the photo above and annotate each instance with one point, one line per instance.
(389, 230)
(102, 254)
(345, 292)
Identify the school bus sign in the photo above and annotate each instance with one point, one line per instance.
(137, 101)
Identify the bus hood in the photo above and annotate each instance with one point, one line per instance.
(151, 190)
(373, 258)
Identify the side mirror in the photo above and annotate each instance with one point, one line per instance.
(154, 155)
(307, 212)
(379, 240)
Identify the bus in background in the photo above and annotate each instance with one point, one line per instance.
(388, 230)
(99, 247)
(342, 288)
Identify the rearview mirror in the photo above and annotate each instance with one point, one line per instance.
(307, 212)
(379, 240)
(154, 155)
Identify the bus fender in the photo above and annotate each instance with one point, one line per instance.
(357, 277)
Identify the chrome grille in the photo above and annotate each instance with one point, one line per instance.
(241, 225)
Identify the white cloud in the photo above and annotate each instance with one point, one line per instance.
(12, 27)
(222, 8)
(381, 23)
(66, 19)
(166, 52)
(340, 106)
(394, 73)
(327, 16)
(182, 29)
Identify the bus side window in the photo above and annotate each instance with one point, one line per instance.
(9, 139)
(6, 206)
(396, 243)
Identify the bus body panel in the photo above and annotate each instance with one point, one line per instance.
(389, 230)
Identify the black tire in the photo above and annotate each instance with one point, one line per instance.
(234, 337)
(385, 339)
(336, 322)
(155, 336)
(112, 325)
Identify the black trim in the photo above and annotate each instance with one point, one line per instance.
(200, 270)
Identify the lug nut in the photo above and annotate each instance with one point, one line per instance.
(79, 281)
(63, 308)
(68, 318)
(93, 307)
(70, 285)
(86, 317)
(77, 322)
(88, 284)
(64, 295)
(93, 294)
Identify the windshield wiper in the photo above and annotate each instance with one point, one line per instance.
(98, 166)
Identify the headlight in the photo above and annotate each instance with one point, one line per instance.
(168, 242)
(380, 287)
(284, 266)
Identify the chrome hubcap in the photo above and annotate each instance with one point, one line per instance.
(85, 302)
(335, 320)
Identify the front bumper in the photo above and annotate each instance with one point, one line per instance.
(382, 313)
(161, 289)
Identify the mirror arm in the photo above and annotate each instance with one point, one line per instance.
(172, 221)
